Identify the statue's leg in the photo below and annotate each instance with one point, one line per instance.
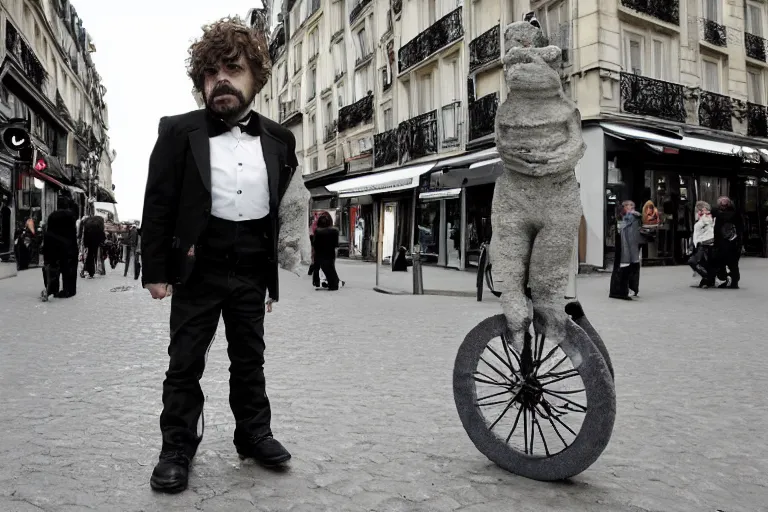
(511, 250)
(552, 257)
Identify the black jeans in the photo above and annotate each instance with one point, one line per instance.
(238, 295)
(328, 266)
(61, 272)
(91, 259)
(729, 257)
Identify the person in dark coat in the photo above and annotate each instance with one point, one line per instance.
(729, 236)
(626, 264)
(93, 237)
(131, 242)
(325, 242)
(60, 251)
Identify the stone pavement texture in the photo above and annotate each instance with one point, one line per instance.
(7, 270)
(361, 385)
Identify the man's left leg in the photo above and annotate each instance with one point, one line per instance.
(243, 315)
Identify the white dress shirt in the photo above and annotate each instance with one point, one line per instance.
(239, 181)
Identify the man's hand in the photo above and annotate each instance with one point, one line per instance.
(159, 290)
(269, 305)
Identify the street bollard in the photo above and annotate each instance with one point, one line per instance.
(418, 281)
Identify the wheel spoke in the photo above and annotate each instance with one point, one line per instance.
(508, 407)
(558, 364)
(506, 342)
(541, 347)
(543, 440)
(567, 375)
(554, 427)
(564, 399)
(507, 350)
(514, 426)
(570, 391)
(496, 370)
(533, 430)
(505, 363)
(493, 395)
(486, 404)
(490, 380)
(525, 428)
(546, 358)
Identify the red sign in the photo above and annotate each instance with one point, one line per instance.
(40, 165)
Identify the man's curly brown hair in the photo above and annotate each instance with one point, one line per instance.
(227, 39)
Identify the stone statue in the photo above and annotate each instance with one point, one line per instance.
(536, 205)
(293, 247)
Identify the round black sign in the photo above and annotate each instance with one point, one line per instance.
(16, 138)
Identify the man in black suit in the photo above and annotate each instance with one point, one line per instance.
(60, 251)
(210, 227)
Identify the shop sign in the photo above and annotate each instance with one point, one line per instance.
(41, 165)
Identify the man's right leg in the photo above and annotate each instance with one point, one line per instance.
(127, 258)
(195, 311)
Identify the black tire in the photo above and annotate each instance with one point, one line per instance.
(576, 312)
(597, 425)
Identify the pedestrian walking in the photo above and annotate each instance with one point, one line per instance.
(703, 243)
(325, 242)
(93, 238)
(626, 264)
(60, 251)
(131, 243)
(209, 238)
(729, 236)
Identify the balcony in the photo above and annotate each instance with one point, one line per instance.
(482, 116)
(451, 125)
(277, 44)
(357, 113)
(715, 111)
(443, 32)
(357, 10)
(385, 148)
(29, 62)
(664, 10)
(755, 46)
(289, 112)
(485, 48)
(330, 131)
(417, 137)
(649, 97)
(364, 59)
(397, 6)
(757, 120)
(715, 33)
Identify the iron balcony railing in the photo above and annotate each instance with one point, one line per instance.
(715, 111)
(357, 113)
(715, 33)
(417, 136)
(485, 48)
(482, 115)
(288, 109)
(397, 6)
(755, 46)
(757, 120)
(444, 31)
(664, 10)
(29, 62)
(451, 121)
(385, 148)
(650, 97)
(357, 9)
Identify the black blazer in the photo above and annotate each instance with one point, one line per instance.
(177, 200)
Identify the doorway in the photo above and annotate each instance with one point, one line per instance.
(388, 241)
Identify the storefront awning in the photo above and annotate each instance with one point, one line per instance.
(467, 159)
(389, 181)
(105, 196)
(42, 176)
(436, 195)
(685, 142)
(319, 192)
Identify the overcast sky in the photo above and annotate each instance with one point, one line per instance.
(141, 47)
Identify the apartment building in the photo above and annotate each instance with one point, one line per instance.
(47, 77)
(393, 105)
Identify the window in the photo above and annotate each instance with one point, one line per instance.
(710, 75)
(755, 86)
(658, 62)
(312, 89)
(314, 43)
(296, 93)
(297, 57)
(426, 93)
(340, 94)
(331, 158)
(634, 48)
(453, 83)
(282, 75)
(313, 130)
(362, 45)
(337, 17)
(364, 145)
(407, 100)
(339, 59)
(362, 82)
(430, 12)
(388, 120)
(328, 113)
(313, 164)
(710, 9)
(555, 23)
(754, 18)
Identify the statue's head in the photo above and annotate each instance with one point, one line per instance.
(530, 64)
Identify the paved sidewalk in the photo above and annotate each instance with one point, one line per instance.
(361, 387)
(7, 269)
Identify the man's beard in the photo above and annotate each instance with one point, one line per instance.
(229, 113)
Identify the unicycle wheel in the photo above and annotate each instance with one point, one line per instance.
(545, 410)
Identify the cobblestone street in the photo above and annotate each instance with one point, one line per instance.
(361, 388)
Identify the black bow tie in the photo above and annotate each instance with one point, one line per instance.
(249, 125)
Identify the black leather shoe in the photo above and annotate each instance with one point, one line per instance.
(266, 449)
(171, 474)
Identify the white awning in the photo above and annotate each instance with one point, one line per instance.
(435, 195)
(689, 143)
(403, 178)
(485, 163)
(468, 158)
